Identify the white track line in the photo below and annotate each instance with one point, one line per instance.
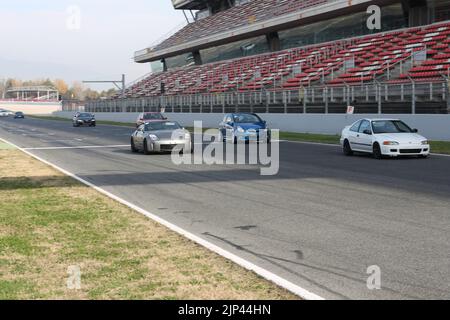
(79, 147)
(339, 146)
(301, 292)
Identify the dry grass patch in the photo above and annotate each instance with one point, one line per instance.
(49, 222)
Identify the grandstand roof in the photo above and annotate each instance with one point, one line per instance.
(258, 17)
(189, 4)
(30, 89)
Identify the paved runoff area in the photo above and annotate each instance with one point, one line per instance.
(326, 222)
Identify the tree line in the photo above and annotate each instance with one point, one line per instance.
(74, 91)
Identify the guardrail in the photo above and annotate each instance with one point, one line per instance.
(371, 98)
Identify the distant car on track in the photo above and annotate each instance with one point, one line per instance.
(149, 117)
(84, 119)
(19, 115)
(384, 137)
(244, 127)
(160, 136)
(4, 113)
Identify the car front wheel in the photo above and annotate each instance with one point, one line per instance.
(133, 147)
(347, 148)
(146, 152)
(377, 151)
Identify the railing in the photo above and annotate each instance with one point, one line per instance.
(30, 100)
(377, 97)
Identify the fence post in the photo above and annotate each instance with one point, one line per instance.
(413, 98)
(223, 95)
(431, 91)
(305, 92)
(379, 98)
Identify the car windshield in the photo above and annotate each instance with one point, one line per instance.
(19, 113)
(85, 115)
(390, 126)
(162, 126)
(246, 118)
(153, 116)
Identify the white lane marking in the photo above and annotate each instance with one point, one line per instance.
(313, 143)
(338, 145)
(78, 147)
(299, 291)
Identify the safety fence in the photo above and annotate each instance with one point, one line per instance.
(377, 97)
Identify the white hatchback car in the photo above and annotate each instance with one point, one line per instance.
(384, 137)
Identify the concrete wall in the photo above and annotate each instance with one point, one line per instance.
(435, 127)
(31, 107)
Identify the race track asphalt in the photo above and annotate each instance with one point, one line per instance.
(320, 223)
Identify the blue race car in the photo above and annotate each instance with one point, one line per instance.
(244, 127)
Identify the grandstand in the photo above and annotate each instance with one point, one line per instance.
(32, 94)
(292, 56)
(31, 99)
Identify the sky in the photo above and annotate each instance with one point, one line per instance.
(80, 39)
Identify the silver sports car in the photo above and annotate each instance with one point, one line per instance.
(161, 136)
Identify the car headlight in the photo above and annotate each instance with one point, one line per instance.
(187, 136)
(425, 142)
(239, 129)
(153, 137)
(390, 143)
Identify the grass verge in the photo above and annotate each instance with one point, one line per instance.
(49, 222)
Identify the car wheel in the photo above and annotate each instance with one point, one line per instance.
(145, 147)
(133, 147)
(377, 151)
(347, 148)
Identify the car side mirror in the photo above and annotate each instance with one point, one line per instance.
(367, 131)
(415, 130)
(165, 118)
